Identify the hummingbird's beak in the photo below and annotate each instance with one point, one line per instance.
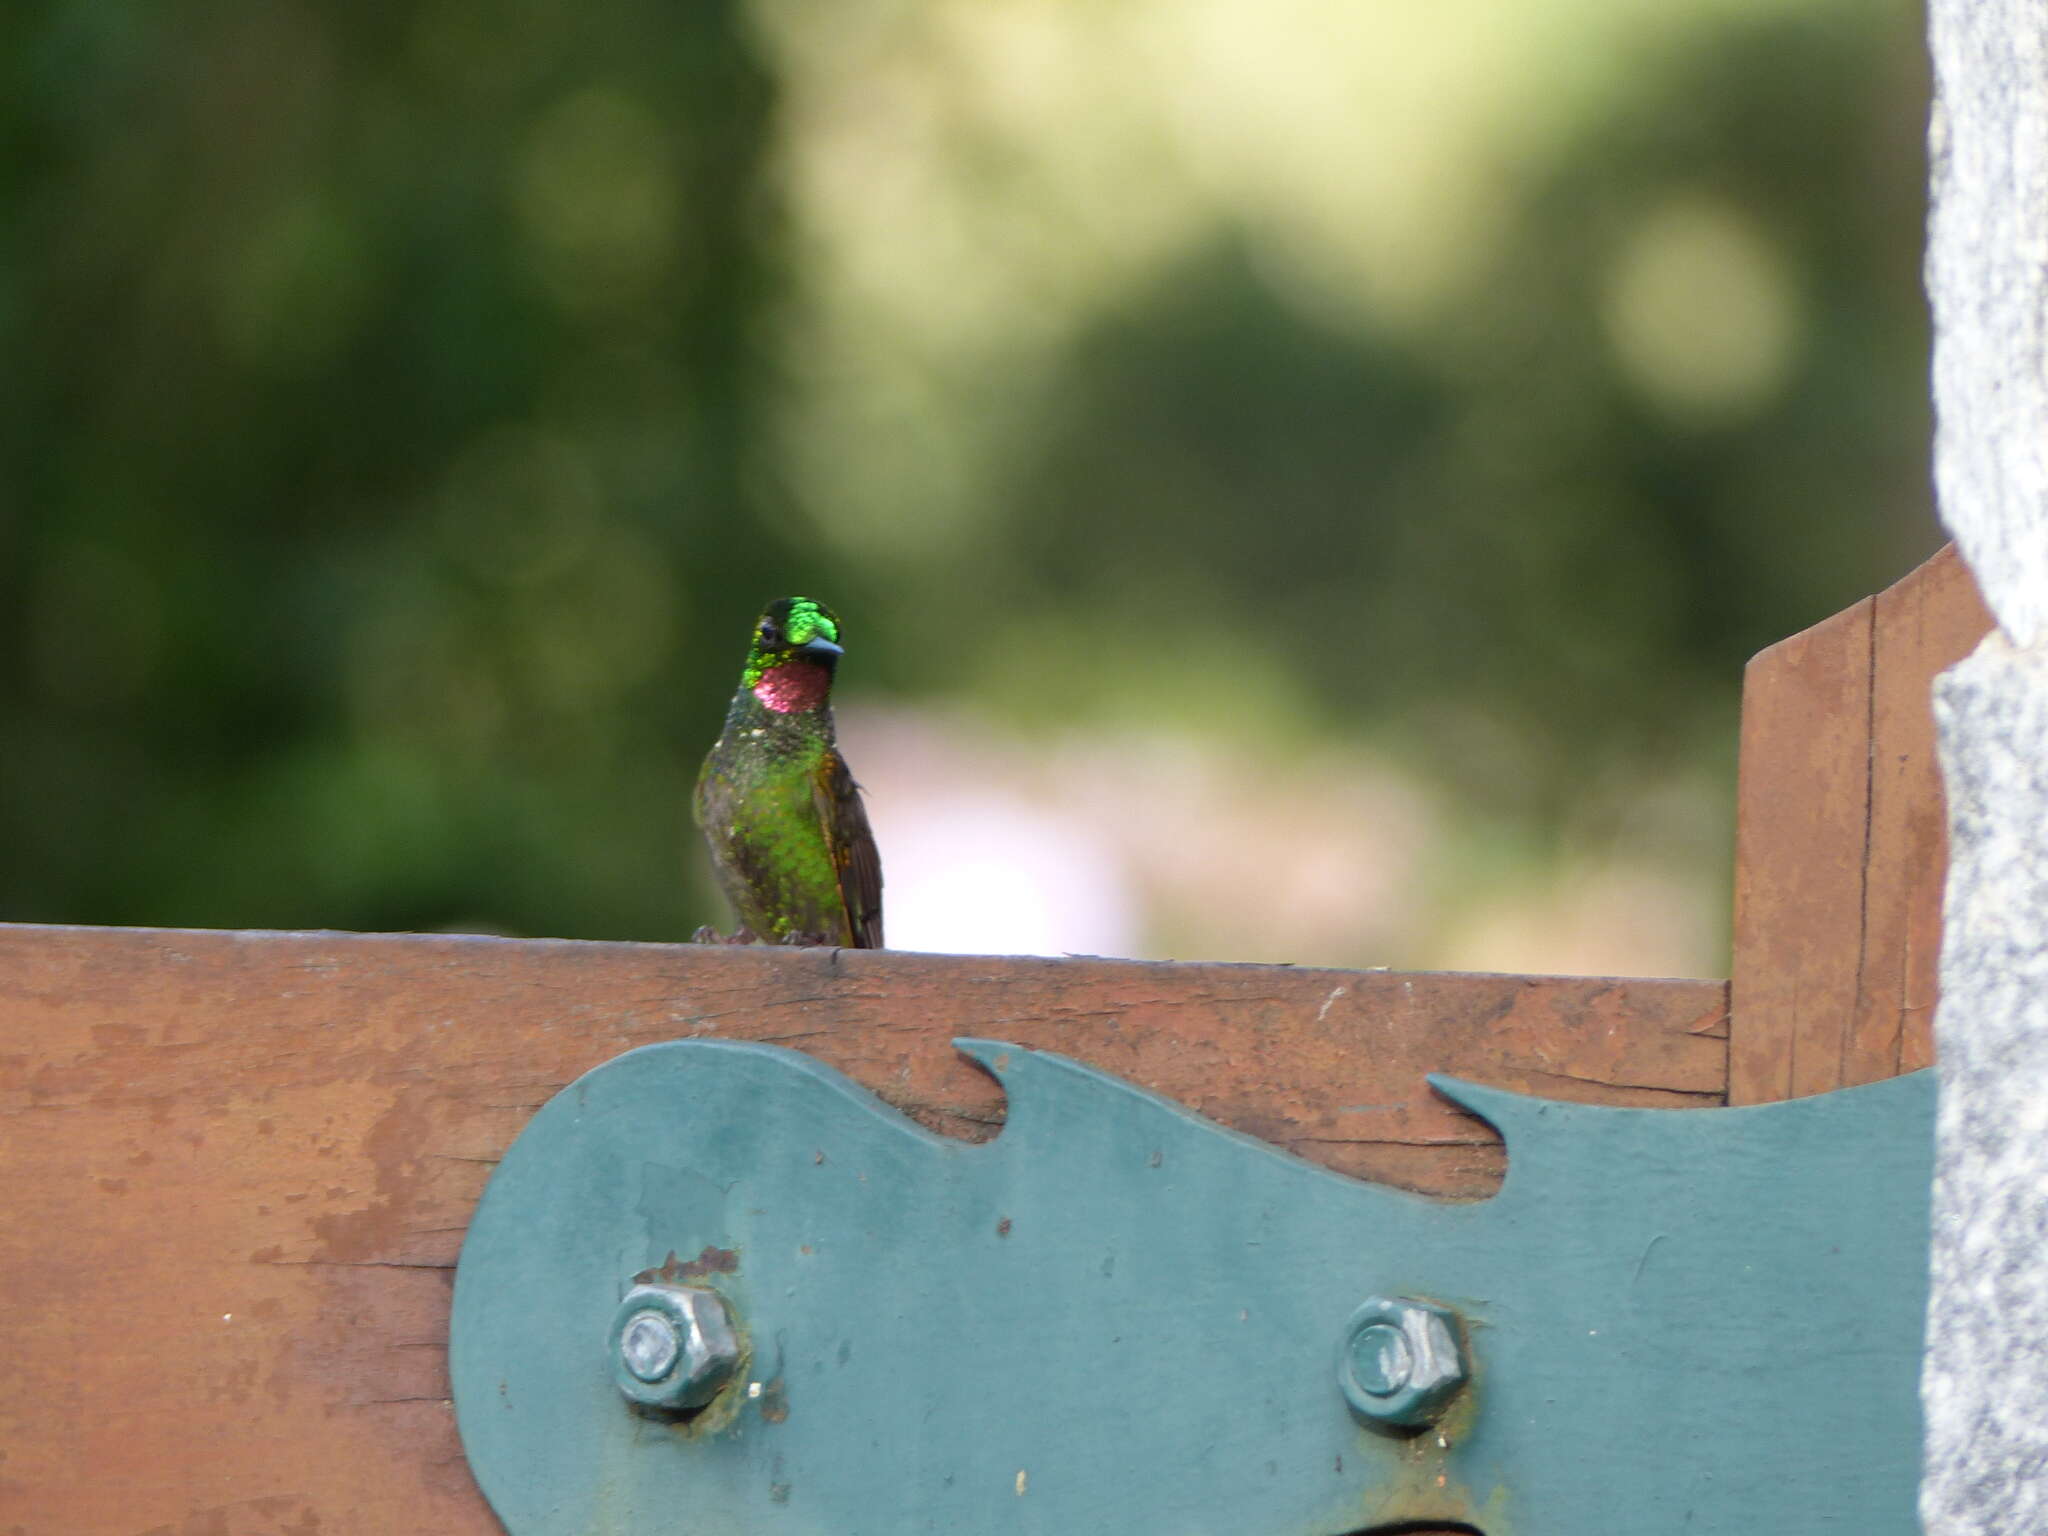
(820, 649)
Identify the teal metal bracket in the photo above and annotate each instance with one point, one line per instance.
(1119, 1317)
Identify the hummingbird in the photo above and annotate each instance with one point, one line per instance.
(789, 837)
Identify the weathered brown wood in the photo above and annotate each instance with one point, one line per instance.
(1841, 843)
(1801, 814)
(238, 1167)
(1905, 856)
(1925, 624)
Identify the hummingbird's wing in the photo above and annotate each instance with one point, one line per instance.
(853, 848)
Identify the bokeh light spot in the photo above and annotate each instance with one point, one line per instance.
(1702, 311)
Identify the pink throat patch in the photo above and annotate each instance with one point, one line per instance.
(793, 686)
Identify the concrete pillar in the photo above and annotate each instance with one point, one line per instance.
(1985, 1386)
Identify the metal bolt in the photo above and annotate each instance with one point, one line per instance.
(673, 1346)
(650, 1346)
(1402, 1361)
(1381, 1360)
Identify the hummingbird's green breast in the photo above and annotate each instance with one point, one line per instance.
(758, 805)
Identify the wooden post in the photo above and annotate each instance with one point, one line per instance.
(1840, 842)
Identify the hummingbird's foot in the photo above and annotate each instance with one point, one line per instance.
(807, 940)
(710, 935)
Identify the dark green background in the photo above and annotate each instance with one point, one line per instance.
(356, 573)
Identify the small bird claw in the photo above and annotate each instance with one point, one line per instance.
(710, 935)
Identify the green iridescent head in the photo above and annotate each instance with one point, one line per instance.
(792, 629)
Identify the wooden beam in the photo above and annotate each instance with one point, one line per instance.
(238, 1166)
(1841, 843)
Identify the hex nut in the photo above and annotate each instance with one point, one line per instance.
(672, 1346)
(1402, 1361)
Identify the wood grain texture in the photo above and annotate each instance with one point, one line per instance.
(1841, 841)
(1925, 624)
(238, 1166)
(1802, 811)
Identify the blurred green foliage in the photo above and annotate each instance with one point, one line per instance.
(406, 406)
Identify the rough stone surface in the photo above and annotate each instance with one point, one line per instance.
(1985, 1387)
(1987, 251)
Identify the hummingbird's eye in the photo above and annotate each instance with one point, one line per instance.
(770, 635)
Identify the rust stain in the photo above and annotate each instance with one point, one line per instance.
(1421, 1496)
(673, 1270)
